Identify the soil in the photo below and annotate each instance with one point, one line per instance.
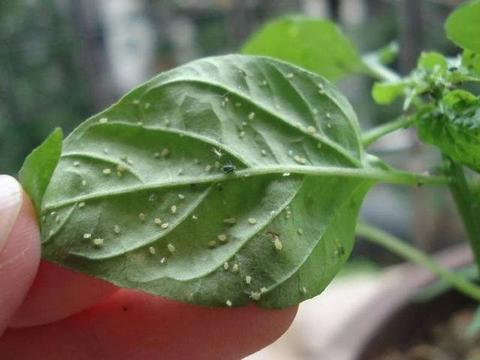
(446, 340)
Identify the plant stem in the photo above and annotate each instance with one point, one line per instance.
(399, 247)
(372, 135)
(464, 200)
(378, 70)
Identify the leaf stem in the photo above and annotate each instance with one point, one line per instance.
(463, 198)
(399, 247)
(378, 70)
(372, 135)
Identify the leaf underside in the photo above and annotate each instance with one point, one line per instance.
(214, 183)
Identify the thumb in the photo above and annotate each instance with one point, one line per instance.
(19, 247)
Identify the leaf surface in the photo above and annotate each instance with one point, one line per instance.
(38, 167)
(226, 180)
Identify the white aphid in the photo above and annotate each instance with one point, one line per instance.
(277, 243)
(222, 237)
(230, 221)
(165, 152)
(251, 116)
(212, 244)
(299, 159)
(98, 242)
(217, 152)
(173, 209)
(252, 221)
(171, 248)
(255, 295)
(103, 120)
(229, 303)
(164, 225)
(87, 236)
(311, 130)
(141, 217)
(248, 279)
(157, 221)
(152, 250)
(107, 171)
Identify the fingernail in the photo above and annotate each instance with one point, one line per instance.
(10, 204)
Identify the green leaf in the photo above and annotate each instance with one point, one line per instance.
(225, 180)
(471, 61)
(433, 61)
(463, 26)
(38, 167)
(385, 93)
(455, 130)
(388, 53)
(316, 45)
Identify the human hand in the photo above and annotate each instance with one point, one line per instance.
(47, 312)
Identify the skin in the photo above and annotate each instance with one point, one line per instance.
(47, 312)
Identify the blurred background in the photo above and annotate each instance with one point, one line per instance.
(62, 61)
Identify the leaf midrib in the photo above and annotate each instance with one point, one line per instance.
(367, 174)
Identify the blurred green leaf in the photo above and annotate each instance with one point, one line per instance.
(314, 44)
(463, 26)
(385, 93)
(432, 61)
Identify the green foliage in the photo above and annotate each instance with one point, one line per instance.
(430, 75)
(433, 62)
(463, 26)
(316, 45)
(385, 93)
(454, 127)
(38, 167)
(141, 197)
